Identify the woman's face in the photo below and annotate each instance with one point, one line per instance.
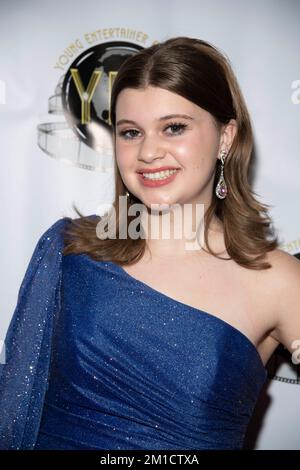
(151, 140)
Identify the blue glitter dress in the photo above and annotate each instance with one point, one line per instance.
(99, 360)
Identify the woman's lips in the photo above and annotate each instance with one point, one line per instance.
(156, 183)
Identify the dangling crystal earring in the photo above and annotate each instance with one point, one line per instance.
(127, 194)
(221, 188)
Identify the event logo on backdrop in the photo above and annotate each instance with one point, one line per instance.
(82, 97)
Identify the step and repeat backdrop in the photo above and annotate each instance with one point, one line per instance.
(50, 160)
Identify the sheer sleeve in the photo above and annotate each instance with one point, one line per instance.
(27, 346)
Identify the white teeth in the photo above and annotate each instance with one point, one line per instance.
(159, 175)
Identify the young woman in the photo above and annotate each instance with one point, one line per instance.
(154, 342)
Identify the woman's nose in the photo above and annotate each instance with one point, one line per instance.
(151, 147)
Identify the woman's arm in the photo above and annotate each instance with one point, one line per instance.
(287, 292)
(23, 376)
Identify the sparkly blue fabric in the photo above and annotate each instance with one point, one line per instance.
(24, 374)
(131, 368)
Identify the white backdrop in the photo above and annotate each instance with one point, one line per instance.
(261, 40)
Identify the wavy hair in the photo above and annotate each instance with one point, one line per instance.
(199, 72)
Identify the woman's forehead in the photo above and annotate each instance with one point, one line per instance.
(156, 103)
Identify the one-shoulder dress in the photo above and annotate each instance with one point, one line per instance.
(96, 359)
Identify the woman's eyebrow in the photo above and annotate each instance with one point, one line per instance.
(163, 118)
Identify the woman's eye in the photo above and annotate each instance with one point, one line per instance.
(177, 126)
(180, 127)
(124, 133)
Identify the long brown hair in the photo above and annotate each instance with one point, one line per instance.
(199, 72)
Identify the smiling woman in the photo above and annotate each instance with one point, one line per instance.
(109, 348)
(159, 146)
(178, 105)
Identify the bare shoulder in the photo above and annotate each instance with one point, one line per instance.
(284, 287)
(285, 267)
(284, 274)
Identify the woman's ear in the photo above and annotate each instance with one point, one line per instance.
(228, 133)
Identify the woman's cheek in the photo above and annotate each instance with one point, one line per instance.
(123, 157)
